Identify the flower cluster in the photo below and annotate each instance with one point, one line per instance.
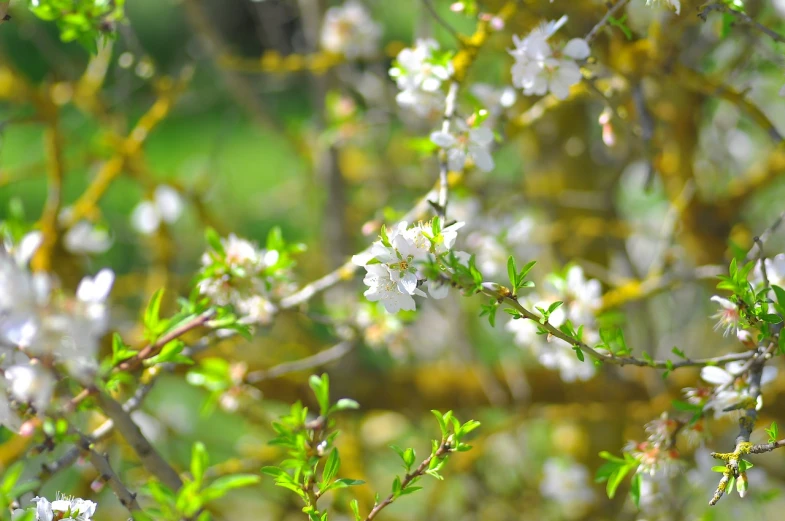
(581, 299)
(394, 263)
(63, 507)
(731, 389)
(237, 272)
(540, 68)
(419, 73)
(40, 326)
(349, 30)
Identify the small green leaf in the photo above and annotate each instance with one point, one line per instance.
(331, 466)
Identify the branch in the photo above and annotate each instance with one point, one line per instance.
(743, 18)
(150, 458)
(443, 450)
(767, 447)
(449, 112)
(321, 358)
(746, 426)
(436, 16)
(502, 294)
(604, 20)
(107, 474)
(87, 203)
(148, 351)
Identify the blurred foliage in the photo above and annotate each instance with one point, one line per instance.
(227, 102)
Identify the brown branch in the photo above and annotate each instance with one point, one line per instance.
(108, 475)
(150, 458)
(149, 351)
(767, 447)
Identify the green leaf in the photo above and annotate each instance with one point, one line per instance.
(199, 461)
(152, 314)
(214, 241)
(442, 423)
(771, 318)
(615, 479)
(321, 388)
(773, 432)
(355, 506)
(224, 484)
(719, 468)
(512, 273)
(635, 490)
(331, 467)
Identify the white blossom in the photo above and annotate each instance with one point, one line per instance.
(30, 384)
(67, 327)
(727, 317)
(64, 507)
(166, 206)
(349, 30)
(86, 238)
(240, 276)
(466, 143)
(393, 267)
(539, 68)
(419, 73)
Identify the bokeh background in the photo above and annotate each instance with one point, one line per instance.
(230, 103)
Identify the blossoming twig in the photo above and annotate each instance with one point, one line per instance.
(503, 295)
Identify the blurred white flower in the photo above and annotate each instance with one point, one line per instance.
(419, 73)
(86, 238)
(567, 483)
(166, 206)
(349, 30)
(673, 4)
(733, 387)
(466, 143)
(30, 384)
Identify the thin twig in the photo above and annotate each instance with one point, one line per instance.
(319, 359)
(604, 20)
(436, 16)
(108, 475)
(757, 246)
(743, 18)
(443, 450)
(444, 167)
